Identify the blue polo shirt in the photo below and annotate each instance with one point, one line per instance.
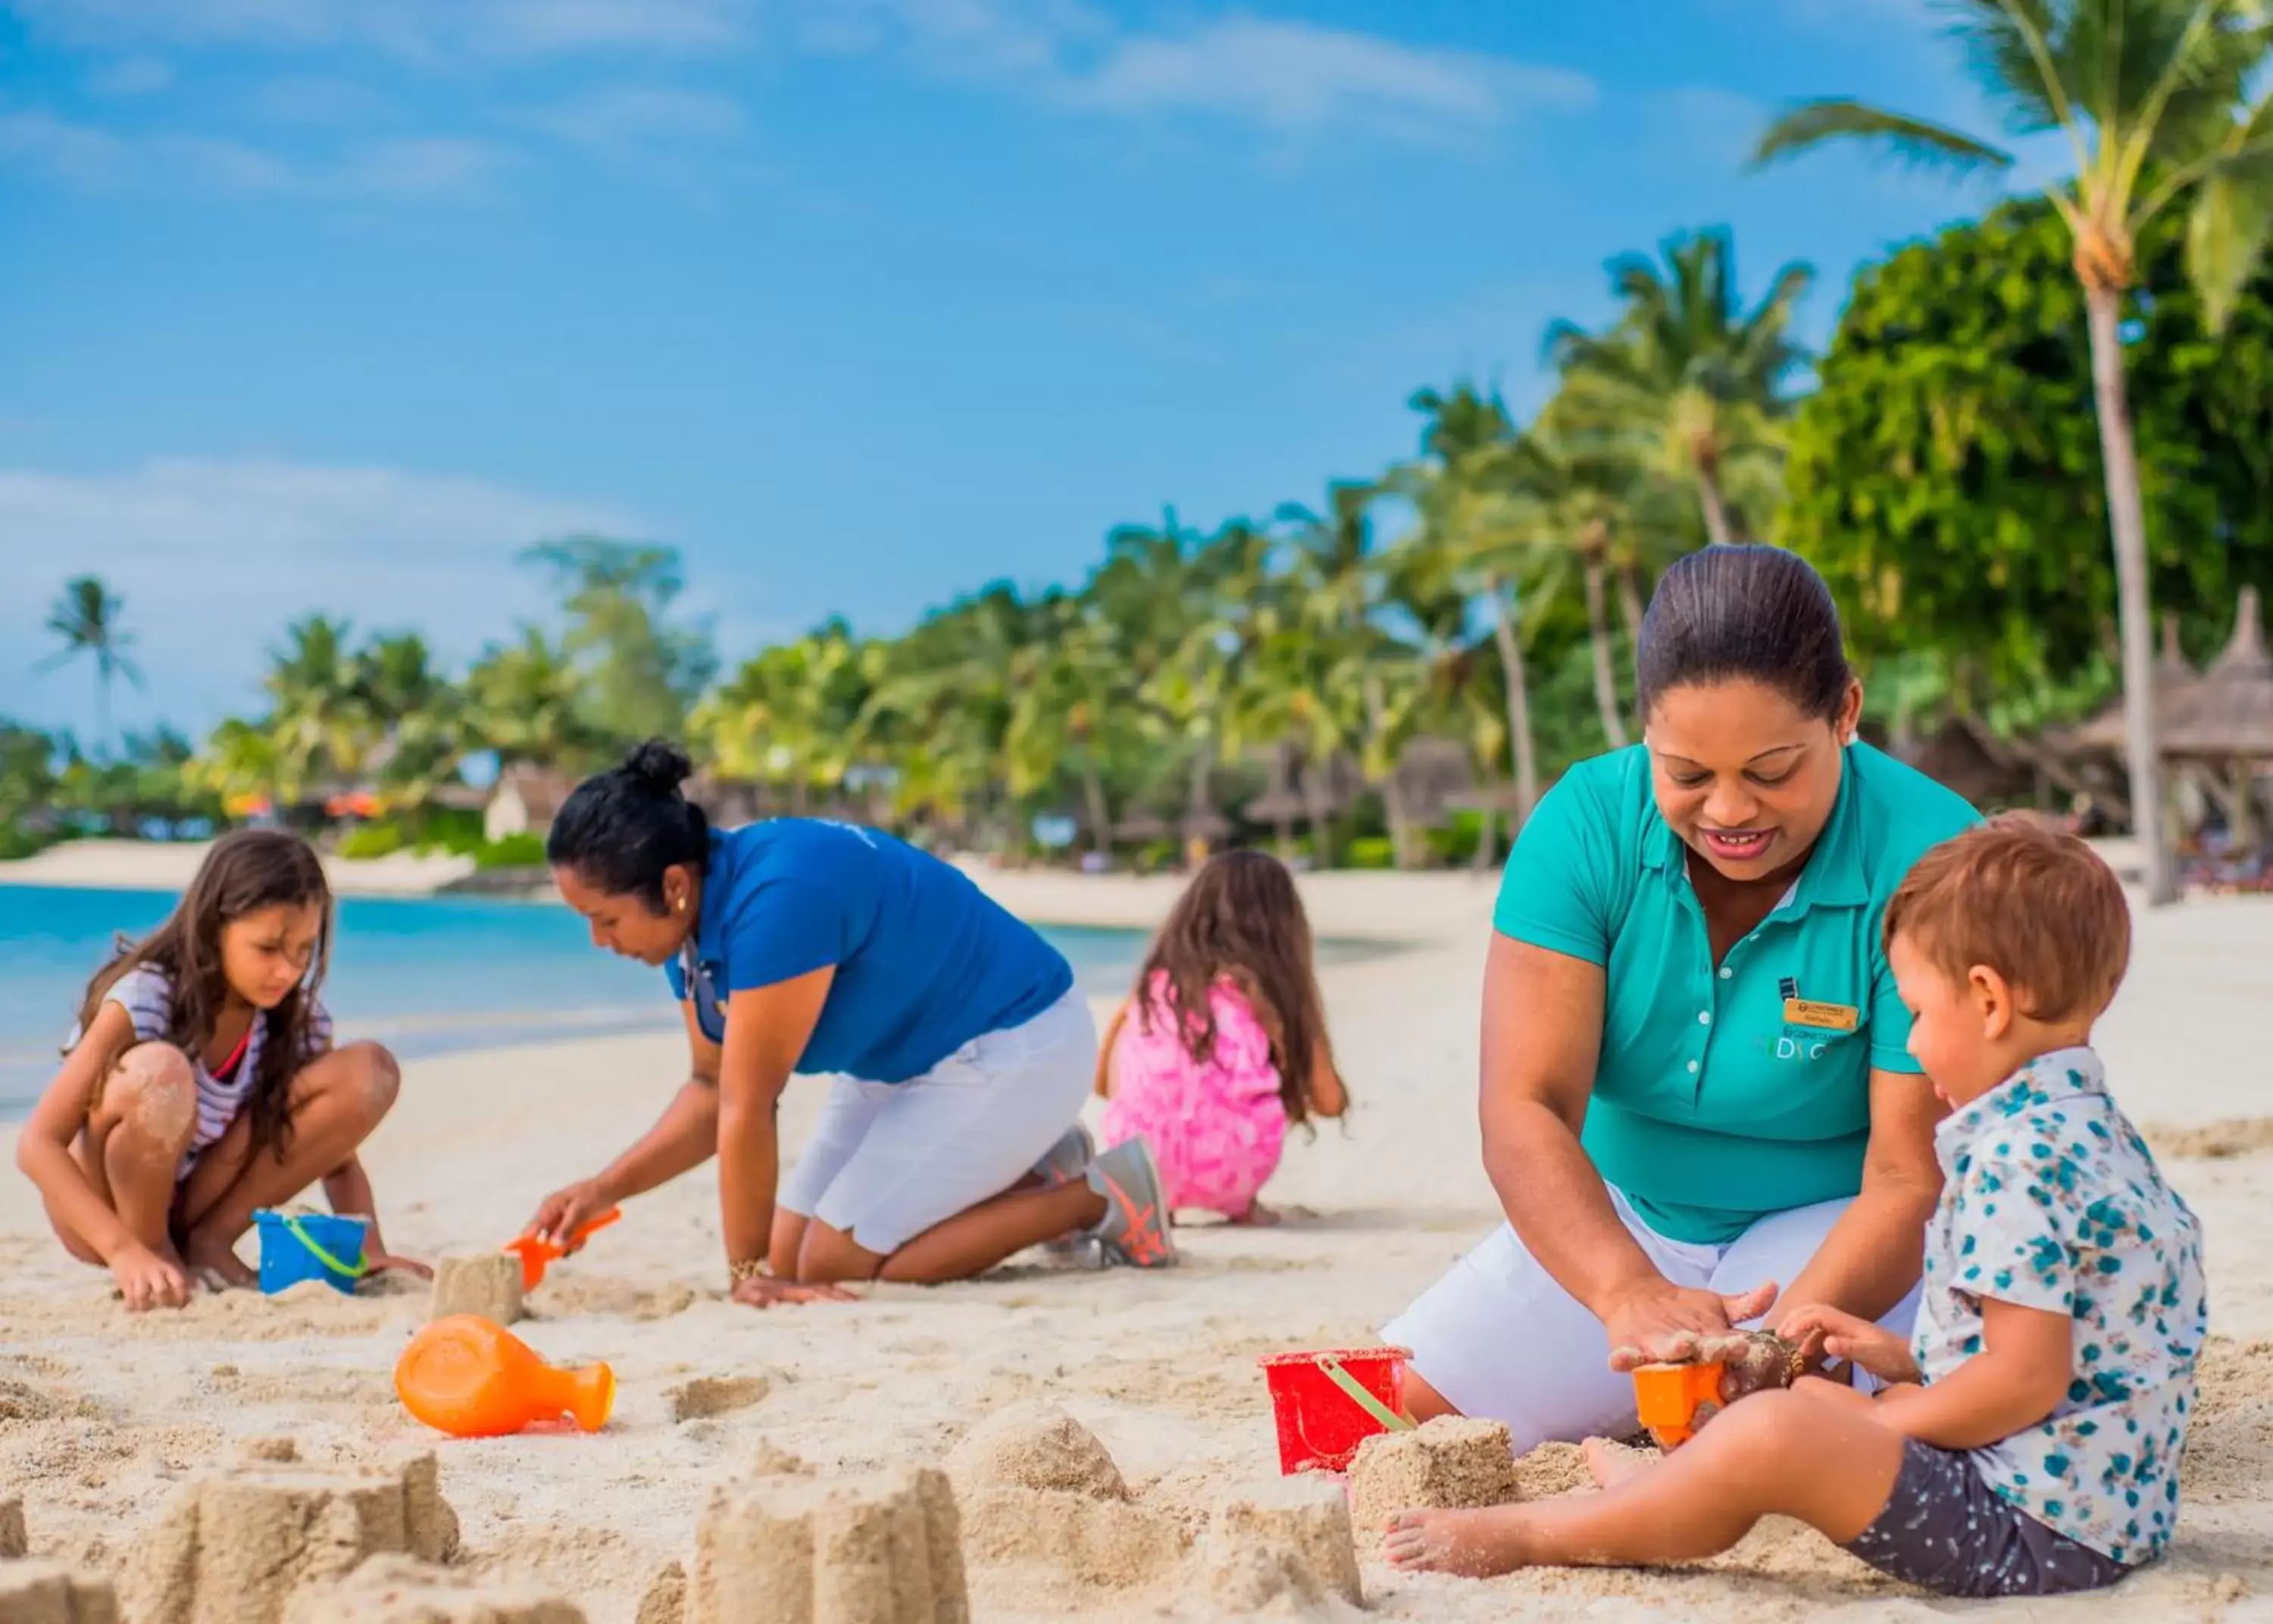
(1727, 1092)
(925, 962)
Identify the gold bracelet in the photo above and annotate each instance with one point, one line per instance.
(749, 1268)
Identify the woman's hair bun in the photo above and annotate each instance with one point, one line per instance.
(659, 766)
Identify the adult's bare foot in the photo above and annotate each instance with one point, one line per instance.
(1474, 1544)
(216, 1264)
(1612, 1462)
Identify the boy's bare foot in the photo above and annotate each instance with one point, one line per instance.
(1257, 1216)
(1612, 1462)
(1474, 1544)
(217, 1265)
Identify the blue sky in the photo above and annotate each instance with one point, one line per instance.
(337, 304)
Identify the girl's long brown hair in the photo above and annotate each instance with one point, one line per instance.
(1240, 916)
(245, 872)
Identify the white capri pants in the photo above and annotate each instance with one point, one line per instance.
(888, 1160)
(1501, 1341)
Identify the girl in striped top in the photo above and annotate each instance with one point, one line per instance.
(201, 1084)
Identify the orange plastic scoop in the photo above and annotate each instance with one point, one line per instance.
(472, 1378)
(537, 1253)
(1670, 1397)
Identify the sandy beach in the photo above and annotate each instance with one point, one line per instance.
(101, 1415)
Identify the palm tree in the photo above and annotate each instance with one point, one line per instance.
(85, 616)
(526, 701)
(1687, 376)
(2154, 99)
(1468, 522)
(320, 721)
(1071, 704)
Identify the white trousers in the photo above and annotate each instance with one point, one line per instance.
(888, 1160)
(1501, 1341)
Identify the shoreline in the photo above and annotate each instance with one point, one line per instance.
(1352, 905)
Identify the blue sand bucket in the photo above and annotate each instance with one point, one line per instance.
(297, 1246)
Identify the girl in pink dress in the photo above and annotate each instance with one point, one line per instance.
(1223, 1043)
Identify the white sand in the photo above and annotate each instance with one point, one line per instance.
(147, 865)
(1161, 1366)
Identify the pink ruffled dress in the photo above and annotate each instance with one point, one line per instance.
(1217, 1127)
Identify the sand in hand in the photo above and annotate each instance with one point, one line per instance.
(105, 1421)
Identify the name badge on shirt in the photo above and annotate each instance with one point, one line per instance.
(1821, 1017)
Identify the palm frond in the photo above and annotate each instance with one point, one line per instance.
(2232, 217)
(2026, 63)
(1917, 142)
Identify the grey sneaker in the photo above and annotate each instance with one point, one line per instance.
(1134, 1228)
(1069, 1158)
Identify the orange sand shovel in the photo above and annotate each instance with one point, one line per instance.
(537, 1254)
(472, 1378)
(1670, 1397)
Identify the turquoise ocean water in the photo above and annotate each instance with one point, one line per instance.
(424, 976)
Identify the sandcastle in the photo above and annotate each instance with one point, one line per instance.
(42, 1593)
(234, 1548)
(785, 1549)
(14, 1541)
(1451, 1461)
(1289, 1538)
(401, 1589)
(487, 1284)
(1036, 1488)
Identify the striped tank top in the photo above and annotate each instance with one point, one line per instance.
(146, 995)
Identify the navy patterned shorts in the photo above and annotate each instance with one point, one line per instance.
(1944, 1529)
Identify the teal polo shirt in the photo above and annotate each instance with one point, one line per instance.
(1712, 1110)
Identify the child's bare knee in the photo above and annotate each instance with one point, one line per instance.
(153, 1094)
(377, 1076)
(1766, 1425)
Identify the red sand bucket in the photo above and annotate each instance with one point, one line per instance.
(1328, 1403)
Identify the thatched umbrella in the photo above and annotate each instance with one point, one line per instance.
(1279, 806)
(2228, 714)
(1203, 823)
(2106, 732)
(1143, 827)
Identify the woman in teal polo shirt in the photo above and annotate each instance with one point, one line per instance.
(1698, 1099)
(959, 1049)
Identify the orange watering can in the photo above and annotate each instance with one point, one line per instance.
(1674, 1399)
(537, 1253)
(472, 1378)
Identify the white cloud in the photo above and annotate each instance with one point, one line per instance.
(92, 159)
(1292, 80)
(213, 557)
(1297, 78)
(131, 75)
(434, 29)
(61, 149)
(320, 103)
(423, 166)
(615, 117)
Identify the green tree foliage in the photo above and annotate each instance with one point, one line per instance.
(1945, 476)
(642, 672)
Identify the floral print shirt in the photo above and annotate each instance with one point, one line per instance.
(2051, 1201)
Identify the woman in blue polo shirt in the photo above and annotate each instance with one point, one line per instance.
(961, 1051)
(1698, 1099)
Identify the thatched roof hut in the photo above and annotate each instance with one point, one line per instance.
(2106, 731)
(2227, 715)
(1280, 803)
(1143, 827)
